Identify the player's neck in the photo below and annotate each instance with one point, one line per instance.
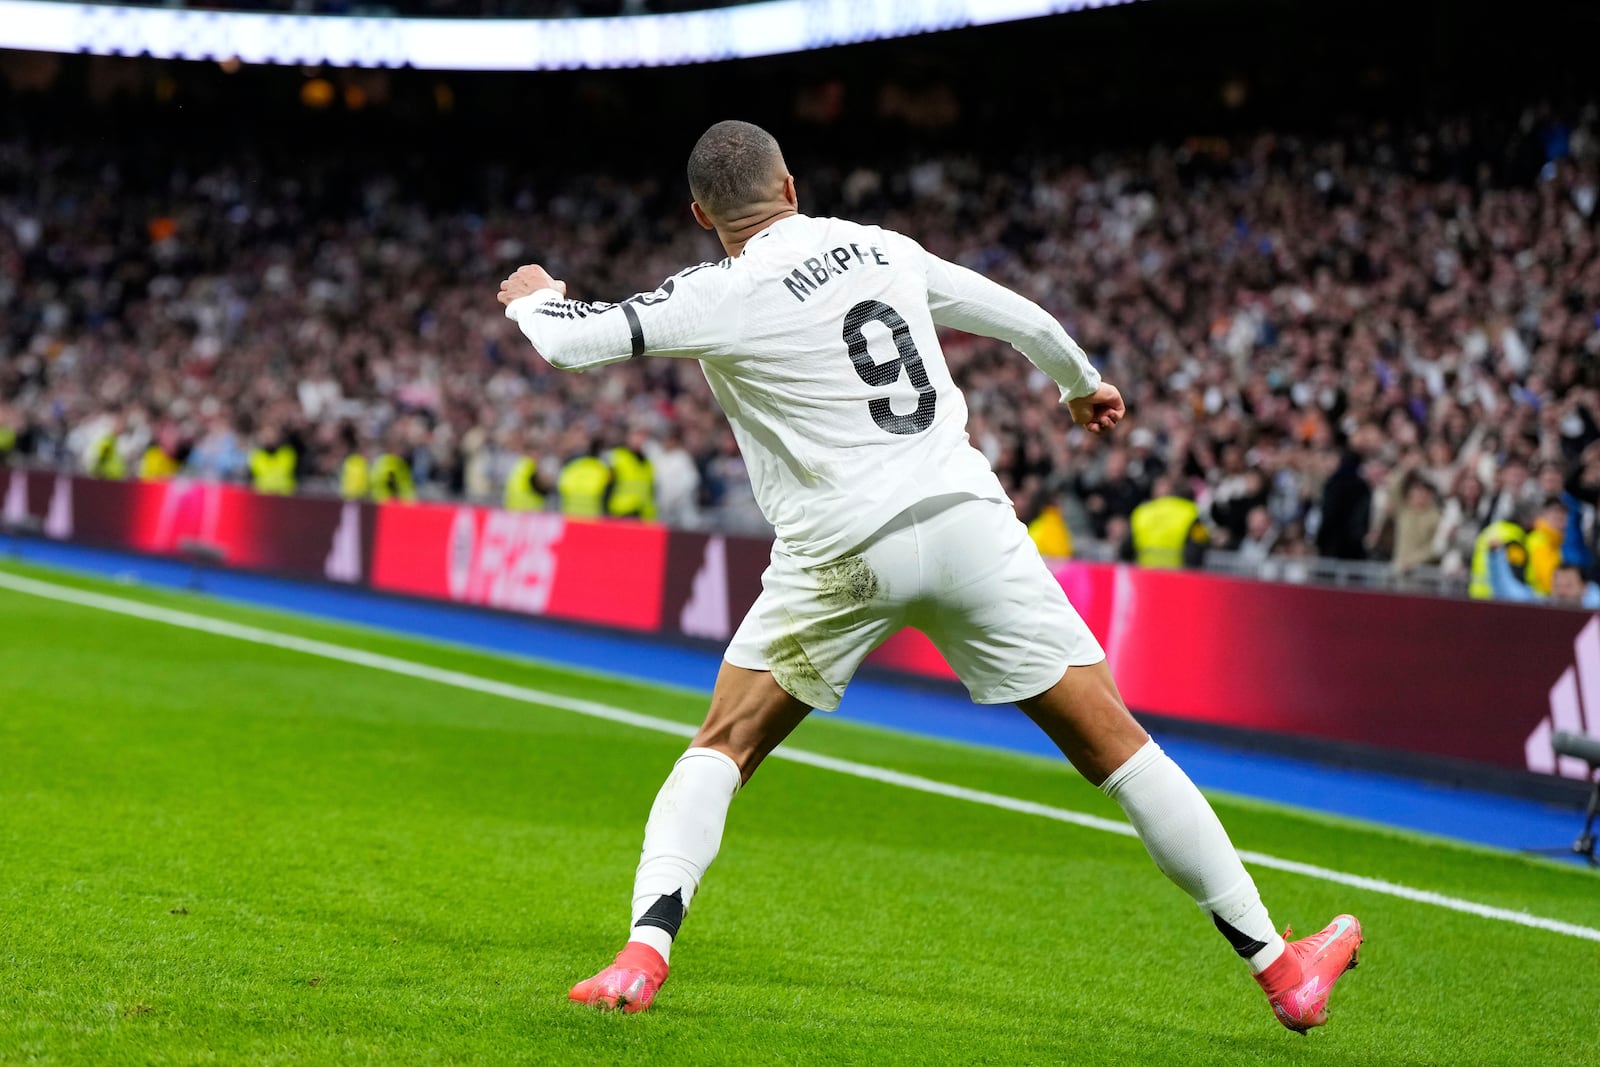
(736, 233)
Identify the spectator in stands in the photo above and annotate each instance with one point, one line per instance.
(218, 455)
(677, 482)
(725, 469)
(1545, 536)
(1292, 542)
(1416, 524)
(1110, 491)
(1260, 536)
(1569, 589)
(1263, 299)
(1234, 501)
(1583, 489)
(1514, 491)
(1347, 500)
(480, 458)
(1462, 518)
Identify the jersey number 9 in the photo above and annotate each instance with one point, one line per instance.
(880, 374)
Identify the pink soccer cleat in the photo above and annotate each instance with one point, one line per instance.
(629, 984)
(1298, 982)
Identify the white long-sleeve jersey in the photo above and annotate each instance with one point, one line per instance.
(819, 344)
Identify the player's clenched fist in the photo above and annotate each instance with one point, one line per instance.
(529, 279)
(1100, 410)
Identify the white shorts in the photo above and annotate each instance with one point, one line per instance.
(960, 569)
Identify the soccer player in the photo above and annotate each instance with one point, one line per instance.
(818, 339)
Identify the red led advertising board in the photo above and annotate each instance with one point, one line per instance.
(1469, 680)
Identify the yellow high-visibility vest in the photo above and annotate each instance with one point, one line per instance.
(106, 461)
(1544, 556)
(273, 472)
(633, 494)
(1161, 529)
(156, 466)
(582, 485)
(8, 439)
(1515, 540)
(391, 479)
(355, 477)
(1050, 534)
(521, 491)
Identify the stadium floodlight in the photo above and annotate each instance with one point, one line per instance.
(769, 27)
(1586, 748)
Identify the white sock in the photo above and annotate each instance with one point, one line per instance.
(1184, 837)
(680, 841)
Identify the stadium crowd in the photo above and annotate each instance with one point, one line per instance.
(1383, 345)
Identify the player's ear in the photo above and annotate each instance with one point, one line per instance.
(700, 216)
(789, 195)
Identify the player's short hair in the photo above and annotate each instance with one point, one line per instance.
(732, 166)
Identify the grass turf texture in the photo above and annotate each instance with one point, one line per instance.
(218, 852)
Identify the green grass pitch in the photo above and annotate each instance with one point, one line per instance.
(217, 852)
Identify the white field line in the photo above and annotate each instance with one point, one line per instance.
(593, 709)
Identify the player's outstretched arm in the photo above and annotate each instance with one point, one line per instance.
(577, 335)
(569, 334)
(965, 300)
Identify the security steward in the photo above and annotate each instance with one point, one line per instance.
(159, 463)
(273, 463)
(1506, 535)
(522, 485)
(355, 472)
(1165, 532)
(355, 477)
(633, 487)
(585, 482)
(1050, 534)
(391, 477)
(105, 459)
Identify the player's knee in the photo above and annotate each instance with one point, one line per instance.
(738, 742)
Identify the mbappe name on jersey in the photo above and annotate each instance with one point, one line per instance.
(813, 273)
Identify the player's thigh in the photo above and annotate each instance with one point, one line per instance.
(813, 625)
(994, 610)
(1084, 715)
